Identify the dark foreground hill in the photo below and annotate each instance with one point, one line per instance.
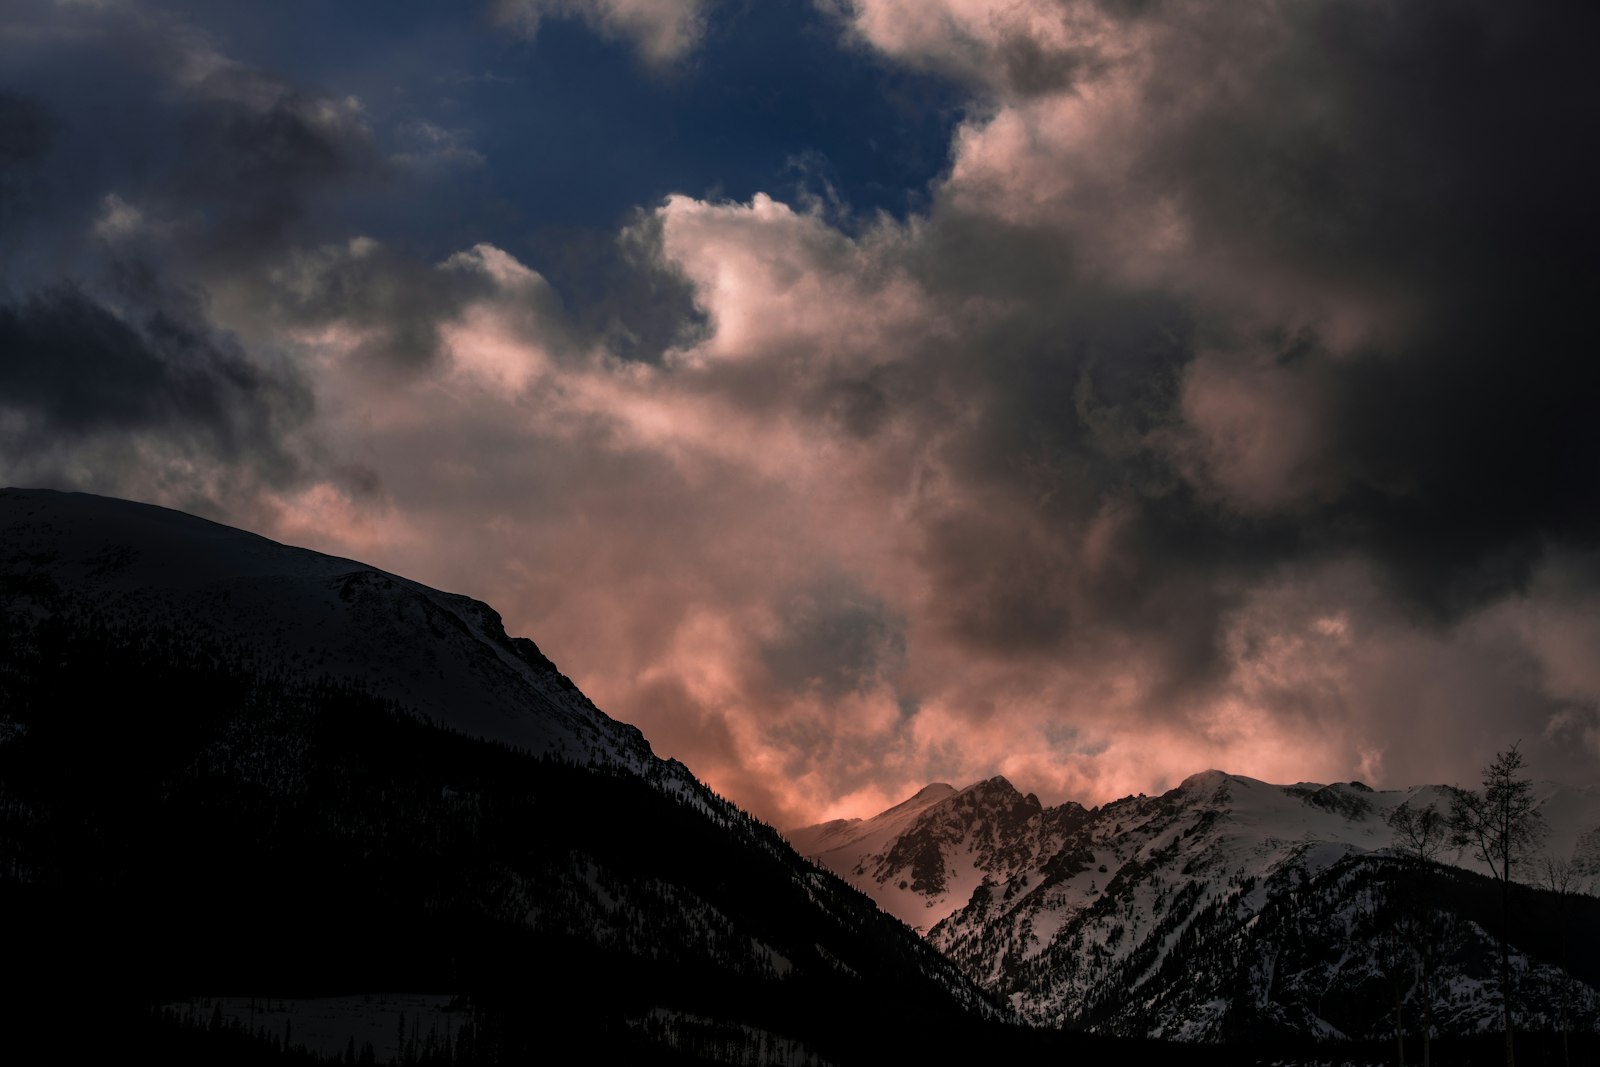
(207, 790)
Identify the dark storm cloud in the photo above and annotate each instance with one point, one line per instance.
(835, 640)
(171, 173)
(1267, 307)
(1221, 408)
(1424, 152)
(250, 170)
(1031, 68)
(396, 302)
(859, 405)
(73, 368)
(617, 289)
(1211, 387)
(232, 156)
(26, 130)
(1069, 390)
(1392, 143)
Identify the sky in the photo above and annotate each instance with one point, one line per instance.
(855, 394)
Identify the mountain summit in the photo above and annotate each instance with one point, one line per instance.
(1224, 907)
(922, 859)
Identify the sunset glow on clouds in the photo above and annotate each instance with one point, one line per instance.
(1222, 401)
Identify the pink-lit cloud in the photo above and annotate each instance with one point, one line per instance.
(1187, 426)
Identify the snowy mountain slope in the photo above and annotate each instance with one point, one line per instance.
(300, 611)
(922, 859)
(853, 837)
(233, 766)
(1147, 915)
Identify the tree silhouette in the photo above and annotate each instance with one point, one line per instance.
(1501, 826)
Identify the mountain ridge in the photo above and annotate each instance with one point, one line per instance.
(301, 608)
(229, 765)
(351, 780)
(1074, 914)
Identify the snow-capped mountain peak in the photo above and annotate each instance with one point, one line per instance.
(1073, 914)
(924, 857)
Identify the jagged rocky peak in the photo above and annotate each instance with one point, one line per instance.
(980, 822)
(1076, 924)
(997, 798)
(923, 858)
(1072, 915)
(1346, 798)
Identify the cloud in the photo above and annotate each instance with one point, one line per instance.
(388, 305)
(119, 373)
(1013, 49)
(662, 30)
(142, 399)
(833, 640)
(252, 166)
(232, 158)
(1253, 431)
(1224, 407)
(1172, 407)
(944, 498)
(26, 132)
(434, 148)
(776, 282)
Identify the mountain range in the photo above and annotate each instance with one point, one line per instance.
(249, 793)
(1225, 907)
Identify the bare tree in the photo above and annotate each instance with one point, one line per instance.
(1501, 826)
(1420, 834)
